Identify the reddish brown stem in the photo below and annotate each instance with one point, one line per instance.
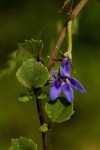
(79, 7)
(57, 46)
(42, 120)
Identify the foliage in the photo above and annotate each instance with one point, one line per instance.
(23, 144)
(44, 127)
(60, 110)
(32, 74)
(24, 97)
(27, 50)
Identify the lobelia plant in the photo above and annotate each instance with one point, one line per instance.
(36, 77)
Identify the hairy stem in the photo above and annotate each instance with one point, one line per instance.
(54, 53)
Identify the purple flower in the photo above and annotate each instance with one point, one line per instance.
(64, 82)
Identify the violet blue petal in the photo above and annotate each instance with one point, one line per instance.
(55, 90)
(63, 72)
(66, 66)
(65, 61)
(53, 74)
(76, 85)
(68, 91)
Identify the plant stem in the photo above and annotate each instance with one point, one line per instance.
(57, 47)
(42, 120)
(70, 36)
(54, 53)
(78, 8)
(69, 50)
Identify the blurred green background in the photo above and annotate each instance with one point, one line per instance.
(20, 20)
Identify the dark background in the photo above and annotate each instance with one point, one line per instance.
(20, 20)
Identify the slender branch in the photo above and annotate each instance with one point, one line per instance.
(42, 120)
(57, 47)
(54, 53)
(78, 8)
(41, 115)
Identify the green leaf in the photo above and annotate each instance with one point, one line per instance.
(23, 144)
(24, 97)
(32, 74)
(59, 111)
(42, 96)
(27, 50)
(44, 127)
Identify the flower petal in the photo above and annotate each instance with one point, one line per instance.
(65, 67)
(55, 90)
(65, 61)
(53, 74)
(63, 72)
(76, 85)
(68, 92)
